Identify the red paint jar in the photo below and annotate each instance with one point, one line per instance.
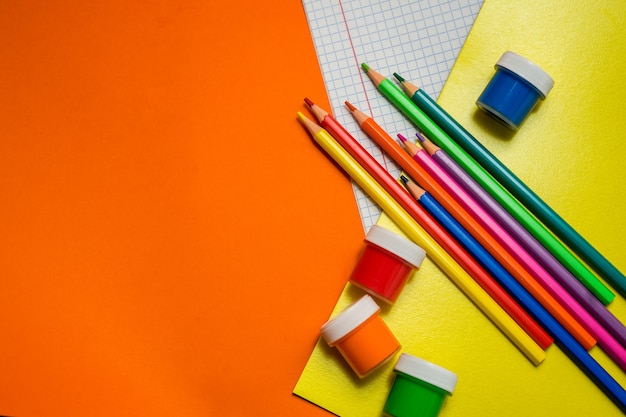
(386, 263)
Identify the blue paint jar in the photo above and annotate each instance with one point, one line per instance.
(514, 90)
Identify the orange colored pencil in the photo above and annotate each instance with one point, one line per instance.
(418, 234)
(422, 177)
(476, 271)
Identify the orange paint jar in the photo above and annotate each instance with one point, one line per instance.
(361, 336)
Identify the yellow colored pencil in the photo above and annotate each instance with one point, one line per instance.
(416, 233)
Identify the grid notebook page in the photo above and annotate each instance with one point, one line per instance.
(419, 40)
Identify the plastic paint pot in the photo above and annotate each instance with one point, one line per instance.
(361, 336)
(386, 263)
(514, 90)
(419, 388)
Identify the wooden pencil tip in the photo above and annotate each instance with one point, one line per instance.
(398, 77)
(365, 67)
(309, 124)
(404, 179)
(421, 138)
(305, 120)
(309, 102)
(402, 138)
(350, 106)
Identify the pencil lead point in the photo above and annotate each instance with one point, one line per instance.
(421, 138)
(350, 106)
(404, 179)
(398, 77)
(308, 102)
(365, 67)
(309, 124)
(402, 138)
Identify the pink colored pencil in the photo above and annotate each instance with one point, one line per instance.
(605, 340)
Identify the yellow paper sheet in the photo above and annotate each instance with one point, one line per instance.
(570, 152)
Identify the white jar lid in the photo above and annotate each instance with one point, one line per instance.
(527, 70)
(427, 372)
(349, 319)
(396, 244)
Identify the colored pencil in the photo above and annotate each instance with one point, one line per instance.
(459, 142)
(490, 226)
(419, 174)
(416, 233)
(605, 340)
(539, 252)
(516, 209)
(354, 148)
(562, 338)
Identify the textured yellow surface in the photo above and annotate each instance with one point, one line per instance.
(570, 152)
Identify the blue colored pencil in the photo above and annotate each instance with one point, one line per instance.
(462, 139)
(562, 338)
(611, 323)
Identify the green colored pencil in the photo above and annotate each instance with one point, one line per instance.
(513, 206)
(441, 138)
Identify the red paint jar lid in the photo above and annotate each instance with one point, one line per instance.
(396, 244)
(349, 319)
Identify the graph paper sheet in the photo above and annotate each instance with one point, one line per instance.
(419, 40)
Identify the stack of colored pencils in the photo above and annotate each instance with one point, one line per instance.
(510, 253)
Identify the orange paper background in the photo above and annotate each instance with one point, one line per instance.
(170, 238)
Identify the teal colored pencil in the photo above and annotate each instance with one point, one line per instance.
(437, 135)
(513, 206)
(533, 203)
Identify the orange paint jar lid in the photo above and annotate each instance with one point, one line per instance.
(361, 336)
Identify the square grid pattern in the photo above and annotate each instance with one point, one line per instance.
(419, 40)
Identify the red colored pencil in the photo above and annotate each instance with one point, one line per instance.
(423, 178)
(407, 202)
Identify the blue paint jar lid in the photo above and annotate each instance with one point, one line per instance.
(528, 71)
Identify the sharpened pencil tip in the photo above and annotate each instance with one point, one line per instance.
(365, 67)
(402, 138)
(421, 138)
(398, 77)
(309, 124)
(309, 102)
(404, 179)
(350, 106)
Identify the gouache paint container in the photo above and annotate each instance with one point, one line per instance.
(419, 388)
(361, 336)
(514, 90)
(386, 263)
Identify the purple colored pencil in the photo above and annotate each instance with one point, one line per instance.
(605, 340)
(536, 249)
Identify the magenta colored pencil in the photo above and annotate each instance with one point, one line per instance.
(569, 282)
(604, 338)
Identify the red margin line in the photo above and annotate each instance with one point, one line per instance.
(345, 22)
